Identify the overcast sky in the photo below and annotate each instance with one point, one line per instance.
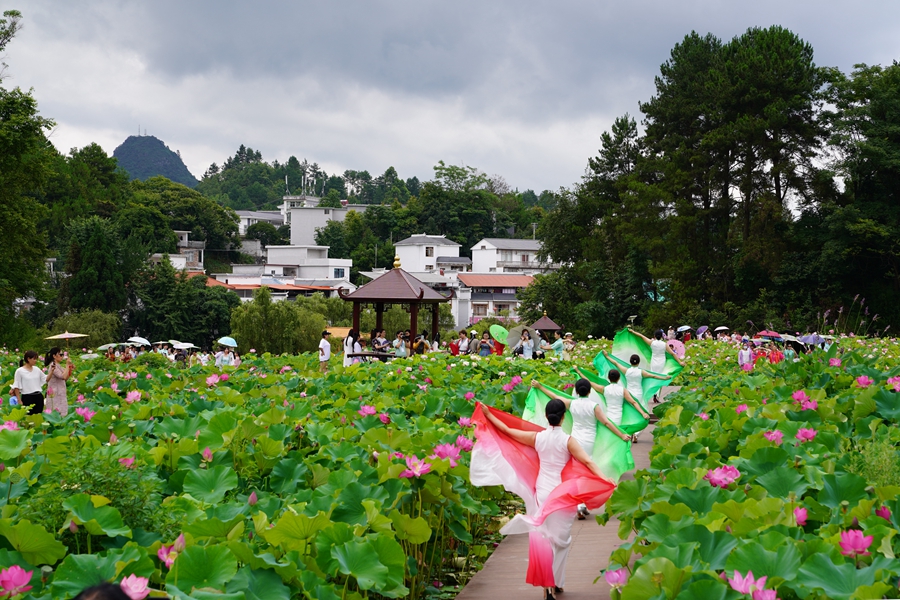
(522, 89)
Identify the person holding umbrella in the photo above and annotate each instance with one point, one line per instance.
(57, 374)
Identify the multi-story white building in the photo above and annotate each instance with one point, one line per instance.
(502, 255)
(422, 252)
(246, 218)
(304, 215)
(490, 295)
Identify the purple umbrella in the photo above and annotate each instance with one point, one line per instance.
(702, 329)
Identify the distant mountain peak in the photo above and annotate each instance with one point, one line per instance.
(146, 156)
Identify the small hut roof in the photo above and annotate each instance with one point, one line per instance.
(545, 322)
(396, 286)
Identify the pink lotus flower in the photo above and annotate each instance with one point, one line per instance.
(86, 413)
(10, 425)
(428, 380)
(806, 435)
(128, 463)
(14, 580)
(508, 388)
(616, 578)
(132, 396)
(207, 454)
(470, 396)
(800, 516)
(149, 376)
(168, 555)
(746, 585)
(809, 405)
(864, 381)
(384, 418)
(854, 543)
(703, 416)
(722, 476)
(135, 587)
(415, 467)
(746, 367)
(81, 399)
(464, 443)
(884, 512)
(114, 386)
(366, 410)
(799, 396)
(212, 380)
(464, 422)
(774, 436)
(834, 362)
(179, 544)
(741, 408)
(894, 381)
(303, 394)
(765, 595)
(223, 377)
(448, 451)
(253, 499)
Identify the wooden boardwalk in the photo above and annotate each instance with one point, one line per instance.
(503, 576)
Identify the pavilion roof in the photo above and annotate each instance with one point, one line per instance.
(396, 286)
(545, 322)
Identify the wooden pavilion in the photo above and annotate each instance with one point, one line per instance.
(396, 287)
(545, 323)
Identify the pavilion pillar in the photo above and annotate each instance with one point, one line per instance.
(379, 315)
(413, 320)
(356, 316)
(435, 313)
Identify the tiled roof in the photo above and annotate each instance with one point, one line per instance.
(511, 244)
(426, 240)
(495, 280)
(395, 286)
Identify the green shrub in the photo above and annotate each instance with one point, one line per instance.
(152, 360)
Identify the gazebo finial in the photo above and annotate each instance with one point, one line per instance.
(396, 261)
(545, 313)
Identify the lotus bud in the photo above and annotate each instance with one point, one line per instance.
(252, 500)
(2, 467)
(207, 454)
(73, 527)
(112, 438)
(855, 523)
(179, 544)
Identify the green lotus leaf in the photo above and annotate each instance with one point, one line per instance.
(212, 434)
(334, 535)
(391, 555)
(752, 556)
(287, 475)
(210, 485)
(293, 532)
(700, 500)
(764, 460)
(359, 559)
(12, 443)
(259, 585)
(714, 546)
(96, 516)
(683, 556)
(349, 507)
(80, 571)
(837, 581)
(782, 481)
(316, 587)
(655, 576)
(658, 528)
(213, 527)
(200, 567)
(839, 487)
(709, 589)
(33, 542)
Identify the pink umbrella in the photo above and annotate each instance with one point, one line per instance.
(677, 347)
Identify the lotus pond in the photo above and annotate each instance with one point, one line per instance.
(267, 481)
(779, 483)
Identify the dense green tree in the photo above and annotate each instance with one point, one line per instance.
(148, 227)
(331, 200)
(333, 236)
(266, 233)
(276, 327)
(100, 327)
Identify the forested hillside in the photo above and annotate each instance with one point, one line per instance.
(145, 156)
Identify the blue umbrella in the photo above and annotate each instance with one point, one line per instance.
(228, 341)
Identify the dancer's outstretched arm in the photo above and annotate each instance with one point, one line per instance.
(523, 437)
(617, 363)
(640, 335)
(581, 456)
(538, 385)
(637, 405)
(601, 416)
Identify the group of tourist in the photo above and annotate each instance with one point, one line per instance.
(29, 381)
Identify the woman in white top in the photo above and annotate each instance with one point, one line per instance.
(658, 351)
(554, 449)
(616, 395)
(349, 347)
(634, 374)
(28, 383)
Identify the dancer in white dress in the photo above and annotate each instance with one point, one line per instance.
(554, 449)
